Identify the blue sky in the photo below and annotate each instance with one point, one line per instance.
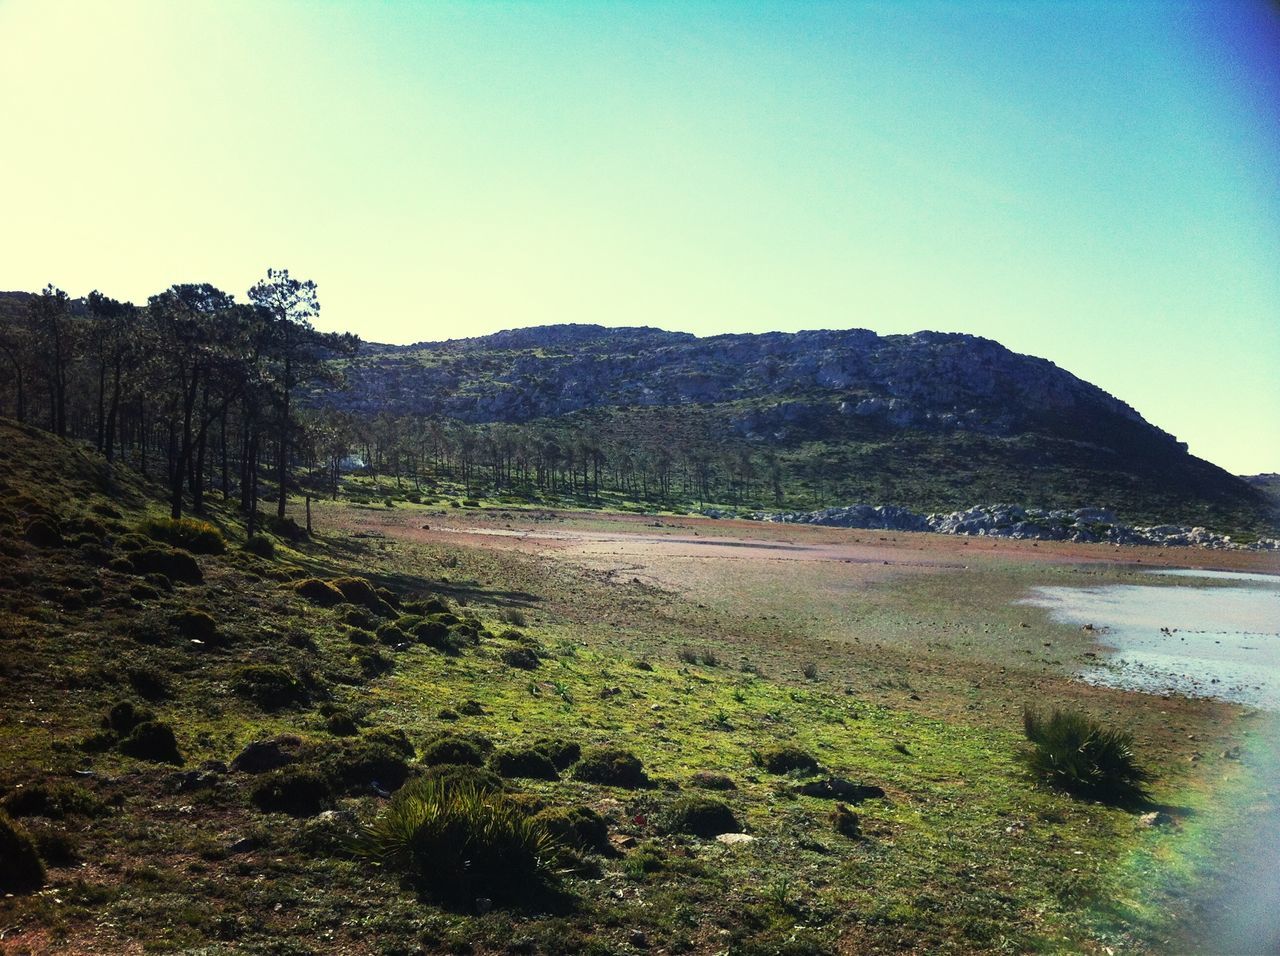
(1096, 183)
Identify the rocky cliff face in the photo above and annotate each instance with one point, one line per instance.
(930, 381)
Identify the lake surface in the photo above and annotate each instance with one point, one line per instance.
(1211, 641)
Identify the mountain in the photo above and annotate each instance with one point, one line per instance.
(929, 420)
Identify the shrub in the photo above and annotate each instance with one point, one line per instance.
(20, 868)
(612, 766)
(152, 740)
(456, 748)
(845, 822)
(269, 686)
(372, 662)
(359, 617)
(319, 592)
(55, 847)
(438, 635)
(701, 816)
(396, 739)
(523, 762)
(514, 616)
(54, 801)
(578, 827)
(285, 527)
(786, 759)
(260, 546)
(1070, 751)
(174, 564)
(297, 791)
(459, 843)
(391, 635)
(520, 657)
(196, 625)
(198, 537)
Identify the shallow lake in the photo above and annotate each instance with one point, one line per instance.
(1220, 640)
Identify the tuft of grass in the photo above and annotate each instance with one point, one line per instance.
(459, 843)
(1072, 752)
(785, 759)
(612, 766)
(701, 816)
(190, 534)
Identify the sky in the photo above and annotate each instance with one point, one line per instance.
(1094, 183)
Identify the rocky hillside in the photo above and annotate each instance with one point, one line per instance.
(930, 421)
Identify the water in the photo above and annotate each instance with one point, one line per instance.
(1219, 641)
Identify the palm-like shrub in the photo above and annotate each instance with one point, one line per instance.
(1073, 752)
(459, 843)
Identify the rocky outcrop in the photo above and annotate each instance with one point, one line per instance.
(1091, 525)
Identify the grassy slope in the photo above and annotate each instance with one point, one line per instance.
(964, 854)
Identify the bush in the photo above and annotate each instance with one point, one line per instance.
(396, 739)
(261, 547)
(391, 635)
(438, 635)
(53, 801)
(578, 827)
(459, 843)
(360, 592)
(372, 663)
(1072, 752)
(269, 686)
(195, 624)
(297, 791)
(786, 759)
(152, 740)
(701, 816)
(456, 748)
(20, 868)
(523, 762)
(173, 564)
(319, 592)
(196, 536)
(612, 766)
(124, 716)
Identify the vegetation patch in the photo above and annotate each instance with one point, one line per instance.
(785, 759)
(1071, 751)
(152, 740)
(523, 762)
(701, 816)
(51, 800)
(190, 534)
(299, 791)
(578, 827)
(319, 592)
(460, 843)
(612, 766)
(173, 563)
(21, 870)
(270, 686)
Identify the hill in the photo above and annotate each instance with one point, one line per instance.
(930, 421)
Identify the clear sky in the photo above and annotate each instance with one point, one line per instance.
(1095, 183)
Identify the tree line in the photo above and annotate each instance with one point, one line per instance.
(193, 387)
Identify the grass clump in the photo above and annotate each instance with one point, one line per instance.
(152, 740)
(562, 753)
(701, 816)
(191, 534)
(464, 775)
(612, 766)
(174, 564)
(456, 748)
(51, 800)
(296, 790)
(21, 870)
(458, 843)
(359, 766)
(786, 759)
(1072, 752)
(521, 658)
(527, 762)
(319, 592)
(270, 686)
(578, 827)
(845, 822)
(261, 547)
(196, 625)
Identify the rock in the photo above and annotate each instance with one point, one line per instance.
(1157, 818)
(621, 841)
(735, 839)
(838, 788)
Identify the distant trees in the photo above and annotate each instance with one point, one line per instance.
(193, 379)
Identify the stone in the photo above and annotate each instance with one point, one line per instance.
(735, 839)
